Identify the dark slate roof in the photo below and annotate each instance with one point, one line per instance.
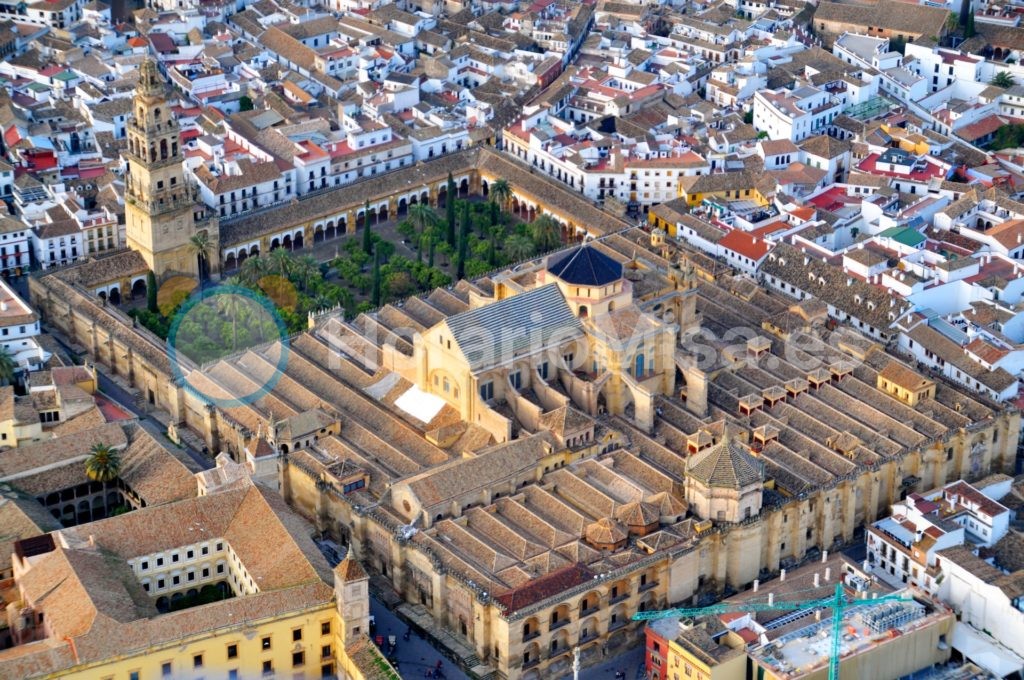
(727, 465)
(585, 266)
(497, 332)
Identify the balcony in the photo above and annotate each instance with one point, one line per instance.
(530, 664)
(618, 598)
(558, 624)
(584, 639)
(531, 635)
(647, 586)
(615, 625)
(589, 610)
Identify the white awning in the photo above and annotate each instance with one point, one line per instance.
(985, 651)
(420, 405)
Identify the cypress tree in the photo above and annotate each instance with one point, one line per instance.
(449, 205)
(430, 258)
(460, 268)
(367, 238)
(375, 292)
(151, 304)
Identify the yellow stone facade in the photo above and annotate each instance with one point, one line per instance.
(162, 210)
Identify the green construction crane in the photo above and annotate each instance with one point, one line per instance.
(838, 602)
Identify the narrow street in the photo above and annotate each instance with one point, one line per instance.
(416, 657)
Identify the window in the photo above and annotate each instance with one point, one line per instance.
(232, 651)
(144, 566)
(268, 668)
(325, 628)
(325, 652)
(165, 669)
(265, 642)
(233, 674)
(220, 546)
(134, 675)
(197, 661)
(298, 659)
(190, 554)
(297, 635)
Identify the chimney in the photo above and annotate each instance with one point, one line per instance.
(782, 575)
(756, 584)
(828, 574)
(817, 580)
(824, 556)
(771, 599)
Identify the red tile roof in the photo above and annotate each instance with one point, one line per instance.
(980, 128)
(745, 244)
(544, 587)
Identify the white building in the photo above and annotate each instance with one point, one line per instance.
(794, 114)
(15, 246)
(19, 327)
(903, 548)
(942, 67)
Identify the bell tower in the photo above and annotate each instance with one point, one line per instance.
(163, 212)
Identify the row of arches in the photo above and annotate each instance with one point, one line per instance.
(112, 293)
(99, 506)
(194, 596)
(163, 151)
(234, 258)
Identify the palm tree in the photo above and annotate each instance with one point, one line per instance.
(200, 244)
(103, 463)
(280, 262)
(8, 367)
(501, 192)
(231, 305)
(306, 269)
(1003, 79)
(253, 269)
(423, 216)
(518, 248)
(546, 232)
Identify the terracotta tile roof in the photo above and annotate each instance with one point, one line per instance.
(349, 570)
(728, 465)
(544, 587)
(88, 592)
(898, 17)
(23, 461)
(899, 374)
(605, 531)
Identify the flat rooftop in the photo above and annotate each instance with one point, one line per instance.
(864, 627)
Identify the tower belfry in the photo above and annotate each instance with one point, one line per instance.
(162, 208)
